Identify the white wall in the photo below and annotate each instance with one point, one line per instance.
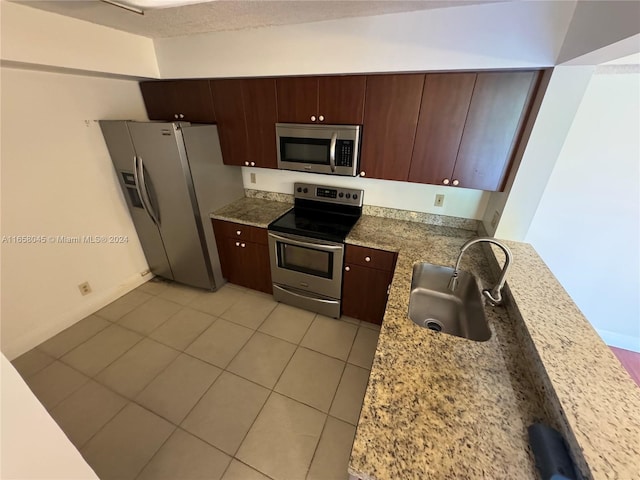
(517, 205)
(36, 37)
(57, 179)
(33, 446)
(458, 202)
(587, 226)
(498, 35)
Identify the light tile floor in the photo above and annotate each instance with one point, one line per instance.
(170, 382)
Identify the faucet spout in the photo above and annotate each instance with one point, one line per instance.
(494, 295)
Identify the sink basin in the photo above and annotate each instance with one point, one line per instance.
(434, 306)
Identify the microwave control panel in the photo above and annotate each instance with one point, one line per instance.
(344, 153)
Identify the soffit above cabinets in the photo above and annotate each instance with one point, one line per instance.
(215, 16)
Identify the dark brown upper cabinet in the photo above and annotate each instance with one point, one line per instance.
(392, 105)
(331, 100)
(469, 126)
(232, 127)
(445, 102)
(186, 100)
(499, 106)
(260, 111)
(246, 117)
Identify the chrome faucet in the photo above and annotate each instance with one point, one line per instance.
(494, 296)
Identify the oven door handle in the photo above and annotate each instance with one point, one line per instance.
(332, 151)
(305, 297)
(317, 246)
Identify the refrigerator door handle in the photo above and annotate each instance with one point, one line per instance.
(145, 192)
(138, 175)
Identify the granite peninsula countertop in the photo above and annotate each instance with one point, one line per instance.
(439, 406)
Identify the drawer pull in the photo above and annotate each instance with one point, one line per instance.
(367, 259)
(238, 232)
(243, 245)
(237, 244)
(347, 269)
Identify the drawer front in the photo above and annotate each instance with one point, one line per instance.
(239, 231)
(370, 257)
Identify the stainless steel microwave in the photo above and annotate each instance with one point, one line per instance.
(331, 149)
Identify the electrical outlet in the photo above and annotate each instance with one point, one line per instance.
(253, 178)
(439, 201)
(85, 288)
(494, 220)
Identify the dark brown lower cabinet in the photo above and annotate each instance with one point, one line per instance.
(244, 262)
(365, 283)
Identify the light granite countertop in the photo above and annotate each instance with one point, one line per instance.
(252, 211)
(439, 406)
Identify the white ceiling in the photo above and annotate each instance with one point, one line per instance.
(214, 16)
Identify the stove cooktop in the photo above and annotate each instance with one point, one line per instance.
(325, 213)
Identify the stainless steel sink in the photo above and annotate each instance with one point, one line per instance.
(433, 305)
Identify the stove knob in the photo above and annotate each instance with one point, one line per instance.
(355, 196)
(299, 189)
(341, 194)
(348, 195)
(305, 190)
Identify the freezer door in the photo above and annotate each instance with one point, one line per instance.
(122, 152)
(215, 183)
(167, 178)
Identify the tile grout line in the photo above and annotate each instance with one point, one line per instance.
(37, 347)
(271, 392)
(344, 368)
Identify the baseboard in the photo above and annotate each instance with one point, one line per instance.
(618, 340)
(99, 299)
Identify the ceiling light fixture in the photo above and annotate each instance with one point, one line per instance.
(130, 8)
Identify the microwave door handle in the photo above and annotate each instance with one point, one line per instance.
(332, 151)
(316, 246)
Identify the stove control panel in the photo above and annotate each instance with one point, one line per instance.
(325, 193)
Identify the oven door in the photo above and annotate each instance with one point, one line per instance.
(307, 265)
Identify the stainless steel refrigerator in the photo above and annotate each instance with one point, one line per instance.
(172, 177)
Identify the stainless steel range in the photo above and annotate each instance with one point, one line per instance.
(306, 247)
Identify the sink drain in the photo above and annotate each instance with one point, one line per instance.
(433, 324)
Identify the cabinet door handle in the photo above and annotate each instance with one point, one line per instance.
(456, 183)
(321, 118)
(253, 164)
(367, 259)
(313, 118)
(363, 174)
(347, 268)
(445, 181)
(182, 115)
(243, 245)
(246, 164)
(175, 115)
(237, 244)
(238, 232)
